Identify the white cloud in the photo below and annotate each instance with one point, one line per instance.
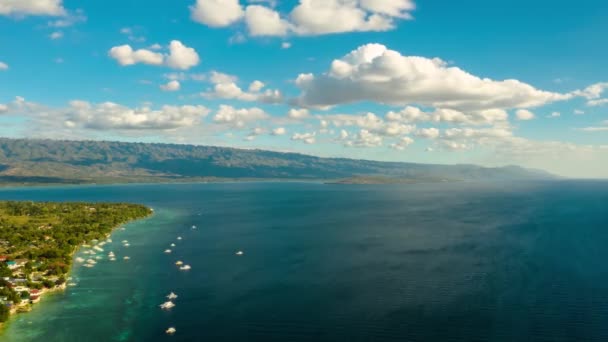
(171, 86)
(225, 87)
(69, 19)
(3, 108)
(554, 115)
(412, 114)
(217, 13)
(375, 73)
(593, 91)
(596, 103)
(307, 138)
(32, 7)
(364, 138)
(285, 45)
(109, 115)
(130, 32)
(3, 66)
(298, 114)
(239, 118)
(308, 17)
(179, 56)
(370, 123)
(263, 21)
(402, 143)
(56, 35)
(279, 131)
(524, 114)
(602, 128)
(428, 133)
(578, 112)
(125, 55)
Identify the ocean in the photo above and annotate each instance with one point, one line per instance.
(524, 261)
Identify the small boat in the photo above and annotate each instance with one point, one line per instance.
(88, 265)
(109, 240)
(111, 254)
(179, 263)
(193, 227)
(167, 251)
(98, 257)
(171, 296)
(112, 259)
(172, 245)
(126, 258)
(239, 253)
(126, 245)
(125, 241)
(91, 262)
(171, 331)
(167, 305)
(79, 260)
(185, 268)
(71, 284)
(179, 237)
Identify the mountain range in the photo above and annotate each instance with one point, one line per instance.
(29, 161)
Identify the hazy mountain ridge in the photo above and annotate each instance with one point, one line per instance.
(52, 161)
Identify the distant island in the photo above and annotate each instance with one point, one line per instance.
(38, 241)
(388, 180)
(34, 162)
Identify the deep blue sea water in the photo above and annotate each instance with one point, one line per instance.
(422, 262)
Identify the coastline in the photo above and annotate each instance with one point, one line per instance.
(29, 306)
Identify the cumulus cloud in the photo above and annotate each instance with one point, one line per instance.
(109, 115)
(225, 87)
(3, 108)
(217, 13)
(125, 55)
(279, 131)
(171, 86)
(238, 118)
(32, 7)
(308, 17)
(179, 56)
(370, 123)
(599, 102)
(375, 73)
(411, 114)
(298, 114)
(428, 133)
(402, 143)
(3, 66)
(554, 115)
(364, 138)
(263, 21)
(602, 128)
(307, 138)
(524, 114)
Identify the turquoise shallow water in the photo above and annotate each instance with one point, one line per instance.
(423, 262)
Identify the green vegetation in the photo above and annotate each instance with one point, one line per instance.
(37, 241)
(24, 161)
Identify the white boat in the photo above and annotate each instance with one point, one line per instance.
(79, 260)
(98, 257)
(111, 254)
(185, 268)
(167, 251)
(71, 284)
(126, 245)
(91, 262)
(112, 259)
(167, 305)
(171, 331)
(125, 241)
(88, 265)
(171, 296)
(179, 237)
(172, 245)
(126, 258)
(179, 263)
(239, 253)
(193, 227)
(109, 240)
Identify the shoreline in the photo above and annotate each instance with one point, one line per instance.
(29, 306)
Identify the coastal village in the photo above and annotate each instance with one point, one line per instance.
(38, 242)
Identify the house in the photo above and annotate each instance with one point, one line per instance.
(3, 258)
(12, 265)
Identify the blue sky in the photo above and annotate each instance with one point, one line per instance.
(480, 82)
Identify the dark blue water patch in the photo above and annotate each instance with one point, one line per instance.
(422, 262)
